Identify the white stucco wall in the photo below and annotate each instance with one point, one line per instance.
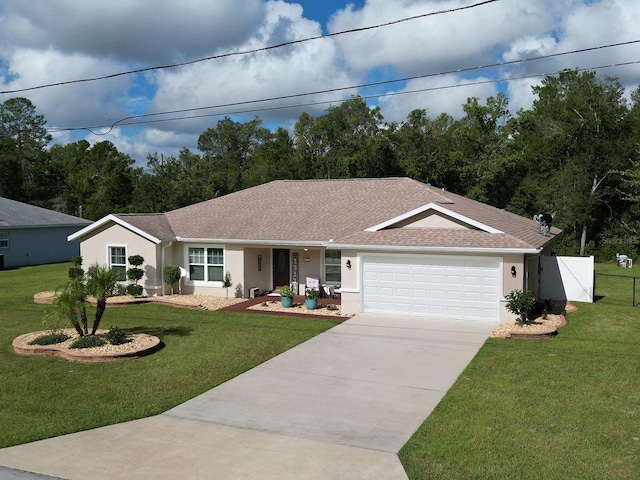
(95, 249)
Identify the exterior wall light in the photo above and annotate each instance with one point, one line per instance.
(513, 271)
(349, 264)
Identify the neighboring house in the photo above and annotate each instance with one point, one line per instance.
(32, 235)
(393, 245)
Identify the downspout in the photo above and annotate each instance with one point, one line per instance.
(162, 265)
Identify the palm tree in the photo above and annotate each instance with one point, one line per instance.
(70, 301)
(101, 284)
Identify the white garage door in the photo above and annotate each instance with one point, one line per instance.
(445, 287)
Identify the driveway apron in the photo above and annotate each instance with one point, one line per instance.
(338, 406)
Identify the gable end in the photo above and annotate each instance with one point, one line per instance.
(419, 218)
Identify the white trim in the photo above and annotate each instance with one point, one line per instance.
(114, 219)
(126, 261)
(419, 249)
(265, 243)
(437, 208)
(203, 283)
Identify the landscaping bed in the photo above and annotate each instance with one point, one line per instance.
(297, 308)
(138, 345)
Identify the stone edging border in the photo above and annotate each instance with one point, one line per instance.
(76, 355)
(550, 333)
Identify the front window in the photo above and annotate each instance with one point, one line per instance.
(332, 260)
(4, 239)
(206, 264)
(118, 262)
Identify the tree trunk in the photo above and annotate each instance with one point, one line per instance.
(100, 307)
(83, 318)
(583, 240)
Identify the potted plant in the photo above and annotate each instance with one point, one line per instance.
(287, 294)
(311, 298)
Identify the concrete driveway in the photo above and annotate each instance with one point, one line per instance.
(338, 406)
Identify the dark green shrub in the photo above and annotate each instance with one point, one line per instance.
(521, 303)
(116, 336)
(134, 290)
(171, 275)
(136, 260)
(50, 339)
(76, 271)
(134, 275)
(87, 341)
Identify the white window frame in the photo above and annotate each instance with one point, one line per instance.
(338, 266)
(4, 239)
(206, 282)
(110, 264)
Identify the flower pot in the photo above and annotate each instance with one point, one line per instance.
(311, 303)
(287, 302)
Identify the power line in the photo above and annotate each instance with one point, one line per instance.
(326, 102)
(248, 52)
(128, 120)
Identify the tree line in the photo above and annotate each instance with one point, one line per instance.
(574, 153)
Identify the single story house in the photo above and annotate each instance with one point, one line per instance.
(31, 235)
(392, 245)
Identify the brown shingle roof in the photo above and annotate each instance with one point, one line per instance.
(155, 224)
(317, 211)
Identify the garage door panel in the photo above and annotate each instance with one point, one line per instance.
(435, 286)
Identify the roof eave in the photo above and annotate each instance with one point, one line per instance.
(425, 249)
(112, 218)
(50, 225)
(244, 241)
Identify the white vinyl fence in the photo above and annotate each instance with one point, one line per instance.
(567, 278)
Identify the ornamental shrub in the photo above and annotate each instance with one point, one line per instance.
(134, 290)
(87, 341)
(171, 275)
(521, 303)
(134, 275)
(76, 271)
(50, 339)
(116, 336)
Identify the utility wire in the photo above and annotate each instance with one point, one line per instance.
(129, 120)
(325, 102)
(248, 52)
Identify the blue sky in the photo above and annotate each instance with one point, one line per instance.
(49, 42)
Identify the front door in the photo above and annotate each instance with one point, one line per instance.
(280, 267)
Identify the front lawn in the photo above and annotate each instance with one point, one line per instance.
(561, 408)
(42, 397)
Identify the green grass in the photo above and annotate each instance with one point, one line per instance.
(41, 397)
(614, 285)
(561, 408)
(614, 269)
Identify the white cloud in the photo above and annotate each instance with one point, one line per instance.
(436, 98)
(435, 43)
(300, 68)
(520, 94)
(44, 42)
(529, 46)
(79, 104)
(146, 31)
